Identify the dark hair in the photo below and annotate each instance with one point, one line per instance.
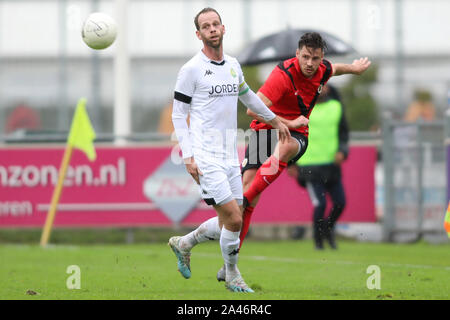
(312, 40)
(205, 10)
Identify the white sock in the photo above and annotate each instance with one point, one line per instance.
(208, 230)
(229, 244)
(231, 270)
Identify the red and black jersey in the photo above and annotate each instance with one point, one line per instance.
(291, 93)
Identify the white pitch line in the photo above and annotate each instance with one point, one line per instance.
(299, 260)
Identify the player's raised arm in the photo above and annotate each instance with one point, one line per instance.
(357, 67)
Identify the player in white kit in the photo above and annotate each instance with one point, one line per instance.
(207, 89)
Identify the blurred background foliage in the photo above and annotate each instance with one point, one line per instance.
(360, 106)
(251, 74)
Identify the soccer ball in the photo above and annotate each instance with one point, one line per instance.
(99, 31)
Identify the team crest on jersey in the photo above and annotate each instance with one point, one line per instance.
(319, 90)
(233, 73)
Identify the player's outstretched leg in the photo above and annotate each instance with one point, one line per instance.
(265, 175)
(183, 256)
(182, 246)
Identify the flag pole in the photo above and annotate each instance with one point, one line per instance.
(56, 195)
(81, 136)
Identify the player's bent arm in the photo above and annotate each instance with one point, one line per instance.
(255, 104)
(357, 67)
(291, 124)
(268, 104)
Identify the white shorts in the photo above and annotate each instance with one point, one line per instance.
(219, 183)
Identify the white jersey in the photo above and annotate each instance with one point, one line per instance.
(208, 91)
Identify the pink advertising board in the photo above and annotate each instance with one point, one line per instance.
(113, 190)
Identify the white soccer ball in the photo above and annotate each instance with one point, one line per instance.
(99, 31)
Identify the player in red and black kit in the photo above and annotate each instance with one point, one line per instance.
(290, 92)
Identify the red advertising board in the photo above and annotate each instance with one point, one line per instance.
(112, 190)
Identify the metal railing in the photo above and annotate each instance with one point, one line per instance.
(414, 180)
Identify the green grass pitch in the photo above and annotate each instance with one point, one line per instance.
(287, 270)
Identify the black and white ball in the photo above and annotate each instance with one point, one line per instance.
(99, 31)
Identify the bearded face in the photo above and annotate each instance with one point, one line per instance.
(211, 30)
(309, 60)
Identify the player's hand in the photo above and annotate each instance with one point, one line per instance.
(301, 121)
(283, 131)
(360, 65)
(193, 169)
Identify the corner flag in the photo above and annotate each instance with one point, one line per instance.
(81, 136)
(447, 221)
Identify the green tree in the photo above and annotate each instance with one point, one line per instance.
(251, 74)
(360, 107)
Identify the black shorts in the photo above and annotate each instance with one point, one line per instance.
(262, 144)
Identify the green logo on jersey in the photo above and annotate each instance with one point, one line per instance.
(233, 73)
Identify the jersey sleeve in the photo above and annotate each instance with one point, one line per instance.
(243, 87)
(328, 73)
(275, 86)
(185, 85)
(251, 100)
(184, 90)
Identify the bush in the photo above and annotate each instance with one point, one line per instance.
(360, 107)
(252, 79)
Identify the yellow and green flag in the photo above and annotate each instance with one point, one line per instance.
(447, 221)
(82, 134)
